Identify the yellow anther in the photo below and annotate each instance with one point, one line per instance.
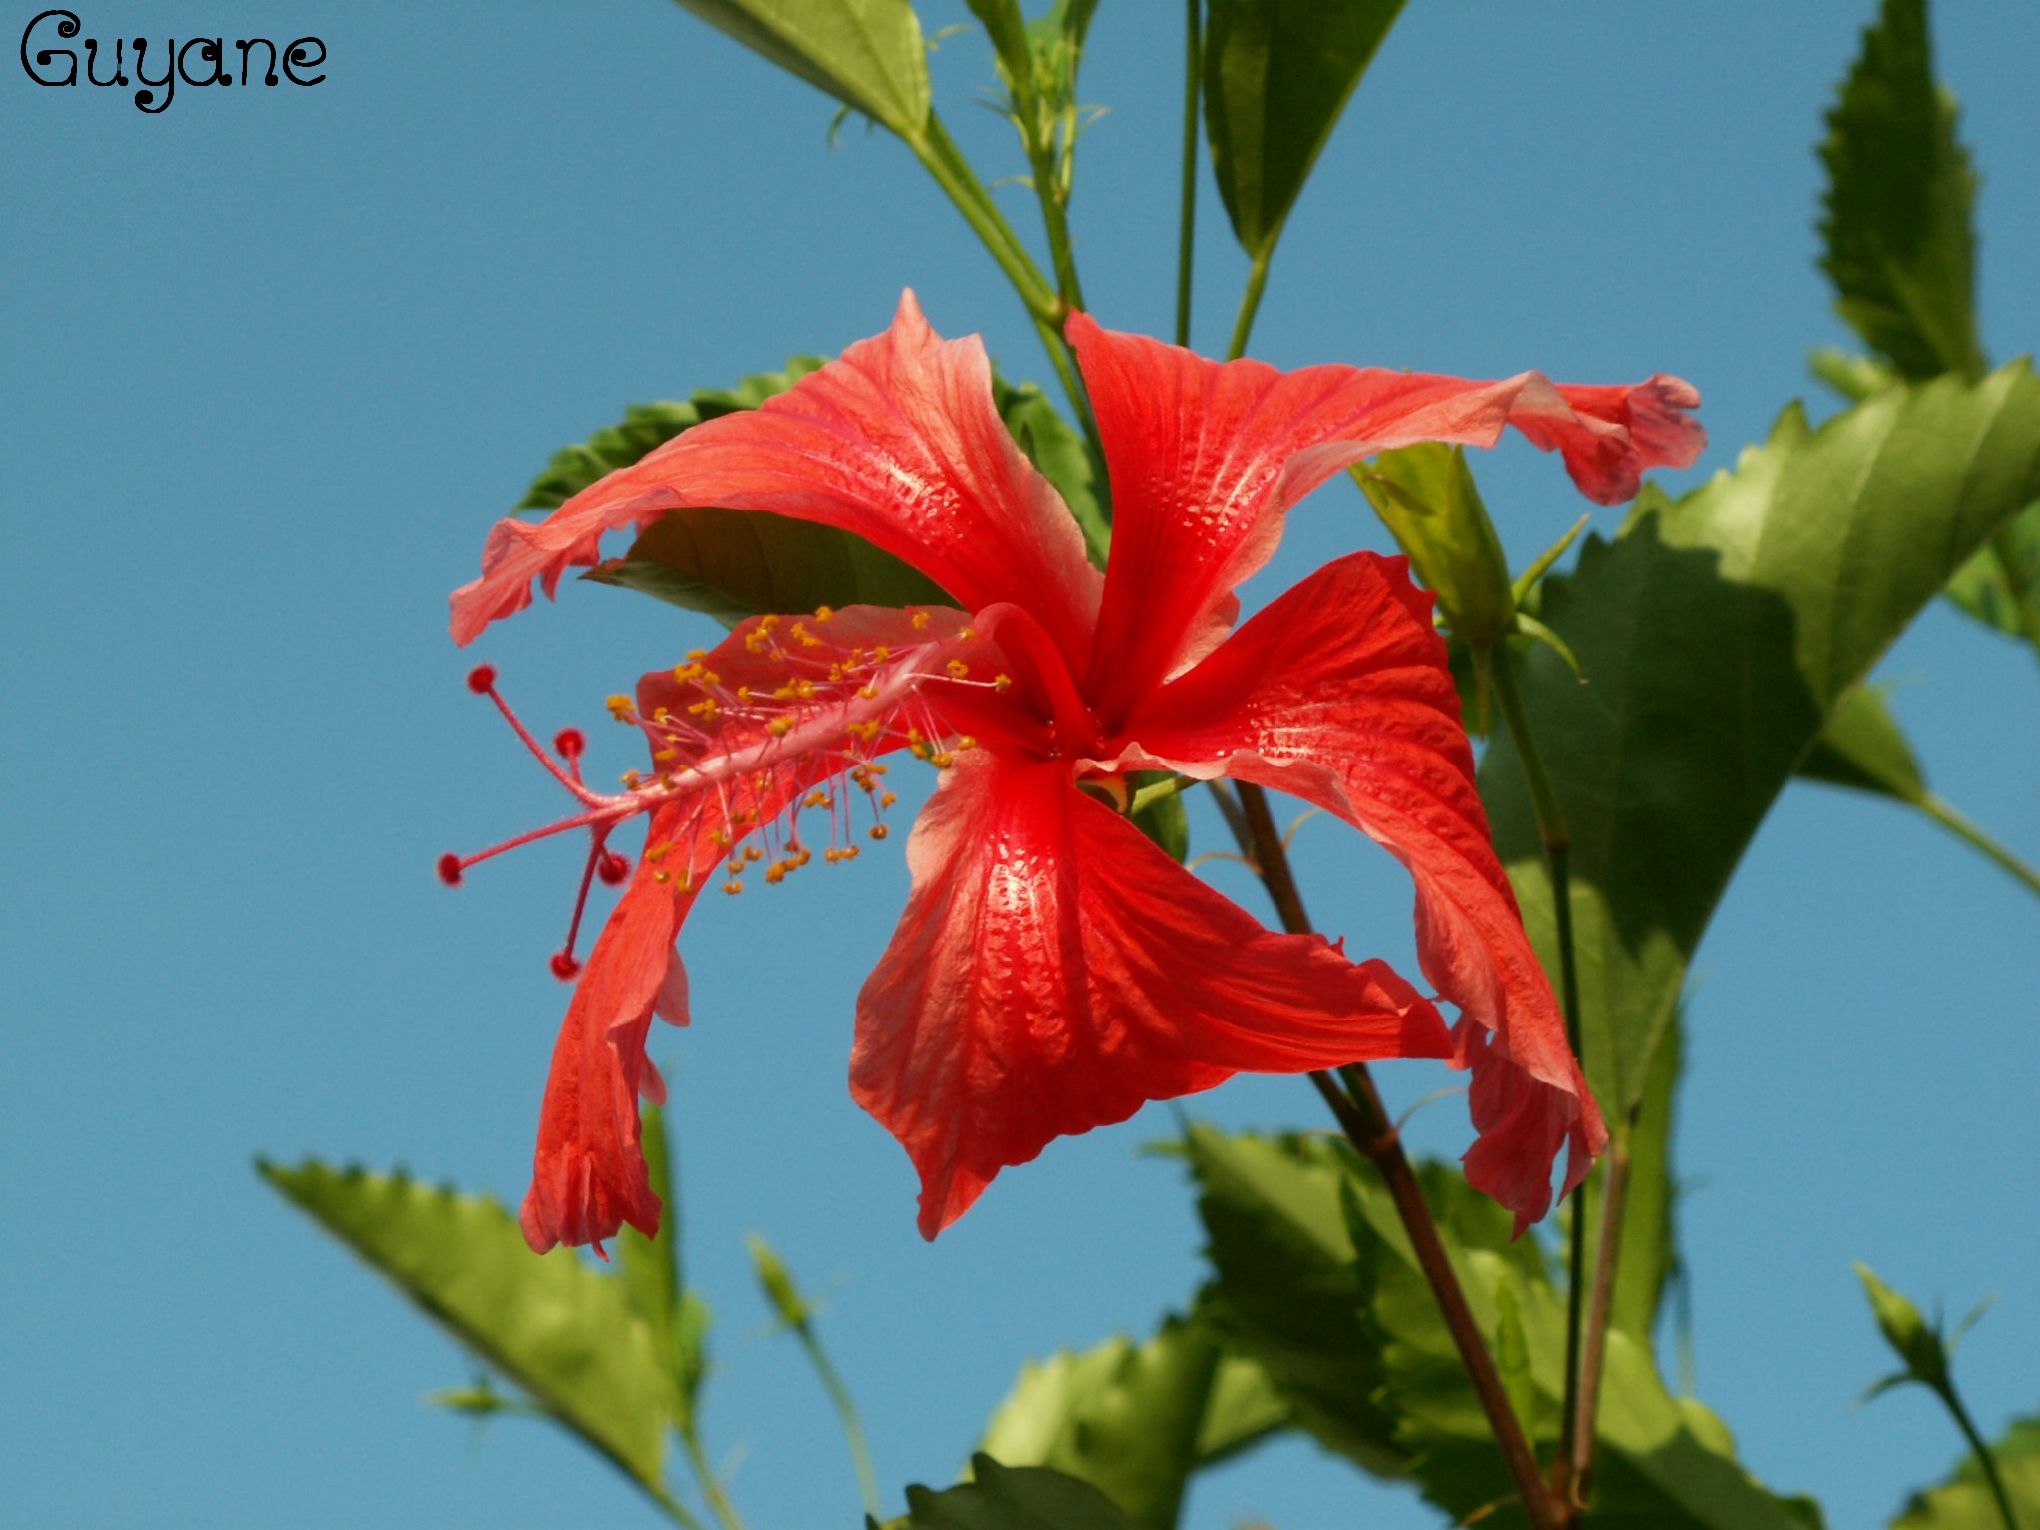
(661, 714)
(705, 709)
(657, 853)
(967, 634)
(942, 759)
(879, 831)
(697, 654)
(919, 621)
(779, 727)
(823, 613)
(620, 707)
(880, 653)
(877, 769)
(783, 692)
(631, 780)
(835, 674)
(965, 744)
(1002, 682)
(733, 887)
(665, 756)
(720, 838)
(805, 689)
(686, 673)
(958, 670)
(887, 800)
(866, 730)
(868, 693)
(803, 856)
(815, 799)
(736, 865)
(776, 873)
(662, 877)
(799, 633)
(753, 853)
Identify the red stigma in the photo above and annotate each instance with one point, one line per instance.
(449, 869)
(564, 967)
(482, 679)
(612, 869)
(569, 742)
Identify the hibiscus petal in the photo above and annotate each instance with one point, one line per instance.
(1339, 693)
(588, 1175)
(898, 441)
(1205, 456)
(1054, 971)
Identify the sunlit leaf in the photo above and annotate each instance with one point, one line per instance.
(1648, 1258)
(566, 1335)
(1898, 245)
(1012, 1498)
(1277, 74)
(1964, 1502)
(1272, 1210)
(868, 54)
(1124, 1417)
(1862, 747)
(1992, 592)
(1718, 633)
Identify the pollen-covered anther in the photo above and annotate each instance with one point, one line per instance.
(919, 621)
(1002, 682)
(621, 708)
(958, 670)
(733, 887)
(879, 831)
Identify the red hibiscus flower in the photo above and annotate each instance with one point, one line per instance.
(1054, 970)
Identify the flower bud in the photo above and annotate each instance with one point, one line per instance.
(1425, 495)
(1906, 1330)
(777, 1284)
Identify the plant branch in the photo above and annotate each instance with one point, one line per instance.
(1186, 238)
(1577, 1415)
(1984, 1458)
(846, 1410)
(1614, 1199)
(1360, 1114)
(1250, 304)
(705, 1479)
(1960, 826)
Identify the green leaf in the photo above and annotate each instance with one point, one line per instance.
(731, 564)
(1012, 1498)
(1277, 74)
(1718, 634)
(1243, 1409)
(1272, 1209)
(1964, 1502)
(1898, 246)
(646, 426)
(1125, 1418)
(1862, 747)
(566, 1335)
(1648, 1259)
(1994, 594)
(868, 54)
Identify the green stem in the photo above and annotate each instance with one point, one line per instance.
(1958, 825)
(846, 1410)
(1984, 1458)
(1576, 1418)
(1186, 238)
(705, 1479)
(1250, 304)
(2006, 550)
(943, 160)
(1147, 796)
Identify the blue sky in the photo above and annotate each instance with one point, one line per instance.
(275, 360)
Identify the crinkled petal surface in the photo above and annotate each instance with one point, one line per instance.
(898, 441)
(1338, 693)
(1205, 457)
(1054, 970)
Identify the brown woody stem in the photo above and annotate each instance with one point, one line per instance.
(1366, 1123)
